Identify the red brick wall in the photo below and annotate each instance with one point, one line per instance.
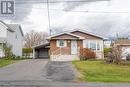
(64, 50)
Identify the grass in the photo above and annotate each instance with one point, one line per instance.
(98, 71)
(5, 62)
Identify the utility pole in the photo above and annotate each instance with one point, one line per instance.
(48, 12)
(117, 36)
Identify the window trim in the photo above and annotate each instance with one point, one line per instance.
(96, 42)
(58, 43)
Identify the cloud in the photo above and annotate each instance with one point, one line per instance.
(34, 16)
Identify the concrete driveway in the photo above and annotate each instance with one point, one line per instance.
(24, 70)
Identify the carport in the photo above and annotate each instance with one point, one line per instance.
(41, 51)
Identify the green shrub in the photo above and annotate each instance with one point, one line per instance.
(106, 51)
(27, 50)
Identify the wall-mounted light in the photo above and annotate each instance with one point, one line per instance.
(68, 41)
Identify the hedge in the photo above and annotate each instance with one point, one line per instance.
(27, 50)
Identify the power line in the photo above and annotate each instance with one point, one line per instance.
(27, 2)
(83, 11)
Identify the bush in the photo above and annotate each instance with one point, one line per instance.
(106, 51)
(27, 50)
(86, 54)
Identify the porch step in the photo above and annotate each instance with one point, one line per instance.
(64, 57)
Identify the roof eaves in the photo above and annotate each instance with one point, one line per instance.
(65, 33)
(84, 31)
(8, 28)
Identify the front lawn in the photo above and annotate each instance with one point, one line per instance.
(98, 71)
(4, 62)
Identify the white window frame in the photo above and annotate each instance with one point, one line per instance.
(87, 41)
(58, 43)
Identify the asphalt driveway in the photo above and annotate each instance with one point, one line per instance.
(38, 70)
(60, 71)
(24, 70)
(44, 73)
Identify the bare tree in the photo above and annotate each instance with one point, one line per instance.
(33, 38)
(117, 53)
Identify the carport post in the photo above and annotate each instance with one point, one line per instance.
(34, 53)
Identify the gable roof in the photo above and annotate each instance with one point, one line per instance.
(90, 33)
(13, 27)
(79, 37)
(122, 42)
(8, 28)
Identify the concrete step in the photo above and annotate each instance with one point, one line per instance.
(64, 57)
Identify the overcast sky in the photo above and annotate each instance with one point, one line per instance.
(105, 17)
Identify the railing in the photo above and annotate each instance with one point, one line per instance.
(55, 52)
(62, 51)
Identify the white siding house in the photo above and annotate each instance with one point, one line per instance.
(12, 35)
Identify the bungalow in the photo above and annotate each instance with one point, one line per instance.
(12, 35)
(65, 46)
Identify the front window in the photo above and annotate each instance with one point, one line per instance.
(98, 46)
(61, 43)
(93, 45)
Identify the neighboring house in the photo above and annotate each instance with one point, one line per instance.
(12, 35)
(65, 46)
(107, 43)
(124, 43)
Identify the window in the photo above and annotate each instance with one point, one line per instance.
(93, 45)
(61, 43)
(98, 46)
(89, 44)
(86, 44)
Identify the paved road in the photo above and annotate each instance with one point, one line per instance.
(24, 70)
(59, 84)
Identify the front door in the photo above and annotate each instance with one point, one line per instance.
(74, 47)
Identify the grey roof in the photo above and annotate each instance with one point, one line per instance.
(7, 26)
(14, 27)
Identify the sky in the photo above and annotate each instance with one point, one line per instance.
(104, 17)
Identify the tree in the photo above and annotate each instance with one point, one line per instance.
(7, 51)
(117, 53)
(33, 38)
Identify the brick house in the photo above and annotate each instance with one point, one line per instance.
(65, 46)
